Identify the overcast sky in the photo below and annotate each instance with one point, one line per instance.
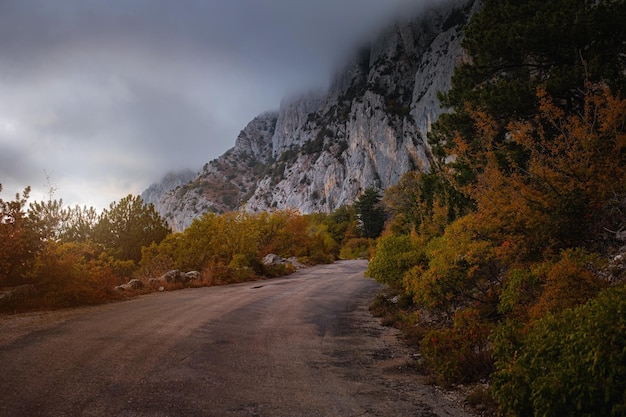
(104, 97)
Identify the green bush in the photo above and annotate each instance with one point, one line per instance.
(568, 364)
(243, 268)
(356, 248)
(395, 255)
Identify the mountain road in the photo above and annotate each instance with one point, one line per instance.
(297, 346)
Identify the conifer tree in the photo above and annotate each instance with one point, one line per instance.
(371, 213)
(515, 46)
(129, 225)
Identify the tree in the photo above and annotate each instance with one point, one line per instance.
(80, 224)
(409, 201)
(47, 218)
(18, 243)
(413, 201)
(342, 223)
(516, 46)
(129, 225)
(560, 196)
(536, 146)
(370, 213)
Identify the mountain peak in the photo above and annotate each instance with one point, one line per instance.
(320, 151)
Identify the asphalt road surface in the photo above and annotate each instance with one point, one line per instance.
(303, 345)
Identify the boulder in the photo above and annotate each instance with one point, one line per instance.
(294, 261)
(194, 275)
(133, 284)
(15, 295)
(272, 259)
(174, 276)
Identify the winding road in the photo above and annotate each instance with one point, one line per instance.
(302, 345)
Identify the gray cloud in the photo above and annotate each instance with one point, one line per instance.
(107, 96)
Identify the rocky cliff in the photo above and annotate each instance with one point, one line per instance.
(320, 151)
(172, 180)
(223, 184)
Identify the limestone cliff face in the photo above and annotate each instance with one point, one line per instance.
(172, 180)
(223, 184)
(371, 126)
(321, 151)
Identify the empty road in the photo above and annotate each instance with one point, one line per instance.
(303, 345)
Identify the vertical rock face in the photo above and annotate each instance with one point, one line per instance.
(371, 126)
(291, 125)
(321, 151)
(171, 180)
(255, 140)
(223, 184)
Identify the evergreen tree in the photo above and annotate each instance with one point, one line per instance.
(80, 224)
(128, 226)
(370, 213)
(47, 218)
(514, 46)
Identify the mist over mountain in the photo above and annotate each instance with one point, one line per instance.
(321, 150)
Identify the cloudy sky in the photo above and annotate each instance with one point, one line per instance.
(100, 98)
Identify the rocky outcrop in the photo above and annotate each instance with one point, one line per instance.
(133, 284)
(178, 277)
(271, 259)
(172, 180)
(320, 151)
(371, 128)
(225, 183)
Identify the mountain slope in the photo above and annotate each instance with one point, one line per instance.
(320, 151)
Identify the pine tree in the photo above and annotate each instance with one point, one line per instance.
(129, 225)
(370, 213)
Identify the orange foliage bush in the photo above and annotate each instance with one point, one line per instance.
(461, 353)
(551, 199)
(547, 193)
(571, 281)
(71, 274)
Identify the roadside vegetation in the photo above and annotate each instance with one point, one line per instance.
(55, 256)
(508, 260)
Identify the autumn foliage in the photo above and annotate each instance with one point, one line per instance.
(532, 251)
(74, 256)
(230, 247)
(513, 244)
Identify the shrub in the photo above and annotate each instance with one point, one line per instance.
(395, 255)
(460, 268)
(520, 289)
(242, 267)
(71, 274)
(460, 353)
(569, 282)
(569, 363)
(356, 248)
